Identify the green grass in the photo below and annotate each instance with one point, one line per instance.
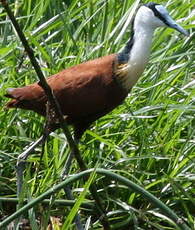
(150, 139)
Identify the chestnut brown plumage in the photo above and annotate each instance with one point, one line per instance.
(92, 89)
(85, 92)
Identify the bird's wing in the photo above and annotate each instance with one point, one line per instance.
(80, 88)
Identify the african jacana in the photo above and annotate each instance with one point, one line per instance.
(92, 89)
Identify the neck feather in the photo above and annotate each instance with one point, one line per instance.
(135, 55)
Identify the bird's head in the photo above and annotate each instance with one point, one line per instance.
(153, 15)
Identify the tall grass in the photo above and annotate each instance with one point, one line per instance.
(150, 139)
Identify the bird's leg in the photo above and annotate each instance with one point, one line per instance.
(21, 161)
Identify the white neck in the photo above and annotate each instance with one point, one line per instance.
(139, 54)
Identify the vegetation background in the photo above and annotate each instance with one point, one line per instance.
(150, 139)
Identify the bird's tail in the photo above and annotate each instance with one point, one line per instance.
(28, 97)
(16, 95)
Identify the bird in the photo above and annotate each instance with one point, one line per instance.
(90, 90)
